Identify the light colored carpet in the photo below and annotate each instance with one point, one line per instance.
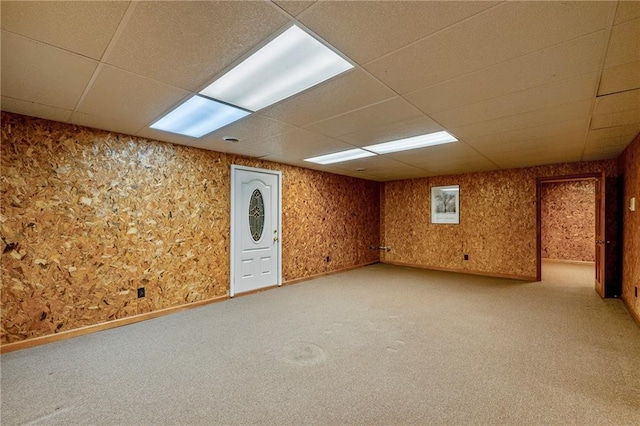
(377, 345)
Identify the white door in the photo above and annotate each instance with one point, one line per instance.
(255, 229)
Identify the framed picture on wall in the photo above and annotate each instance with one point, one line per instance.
(445, 204)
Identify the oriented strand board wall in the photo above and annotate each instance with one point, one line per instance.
(630, 166)
(568, 220)
(497, 220)
(88, 216)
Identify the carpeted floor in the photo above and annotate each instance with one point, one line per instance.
(377, 345)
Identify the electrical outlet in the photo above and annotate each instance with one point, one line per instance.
(466, 257)
(328, 259)
(140, 292)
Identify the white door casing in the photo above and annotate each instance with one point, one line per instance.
(256, 260)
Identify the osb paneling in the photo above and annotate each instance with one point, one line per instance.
(568, 220)
(630, 165)
(89, 216)
(497, 220)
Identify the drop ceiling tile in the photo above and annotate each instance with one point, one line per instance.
(186, 44)
(252, 130)
(540, 68)
(631, 116)
(378, 134)
(300, 144)
(627, 131)
(623, 44)
(85, 28)
(605, 154)
(126, 126)
(533, 99)
(122, 95)
(617, 102)
(627, 10)
(555, 114)
(442, 159)
(46, 75)
(294, 7)
(561, 143)
(606, 148)
(392, 111)
(616, 141)
(201, 143)
(345, 92)
(372, 172)
(367, 30)
(505, 32)
(620, 78)
(570, 128)
(32, 109)
(541, 154)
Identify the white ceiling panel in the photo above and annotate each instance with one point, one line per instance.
(556, 114)
(573, 143)
(202, 143)
(537, 155)
(505, 32)
(620, 78)
(119, 94)
(614, 119)
(388, 112)
(617, 102)
(187, 43)
(627, 10)
(624, 45)
(83, 27)
(537, 98)
(456, 156)
(300, 144)
(349, 91)
(514, 81)
(127, 126)
(627, 131)
(294, 7)
(540, 68)
(376, 133)
(570, 128)
(366, 30)
(32, 71)
(252, 130)
(34, 110)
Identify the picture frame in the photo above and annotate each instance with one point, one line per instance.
(445, 204)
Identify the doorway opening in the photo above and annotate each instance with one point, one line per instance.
(568, 227)
(570, 230)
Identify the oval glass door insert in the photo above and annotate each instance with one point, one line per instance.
(256, 215)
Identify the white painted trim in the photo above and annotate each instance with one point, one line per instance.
(278, 174)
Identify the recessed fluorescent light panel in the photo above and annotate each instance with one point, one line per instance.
(199, 116)
(412, 143)
(292, 62)
(338, 157)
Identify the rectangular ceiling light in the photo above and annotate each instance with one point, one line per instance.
(412, 143)
(199, 116)
(292, 62)
(338, 157)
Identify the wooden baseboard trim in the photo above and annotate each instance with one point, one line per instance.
(324, 274)
(634, 315)
(569, 262)
(37, 341)
(464, 271)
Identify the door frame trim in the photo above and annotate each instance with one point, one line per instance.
(278, 174)
(554, 179)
